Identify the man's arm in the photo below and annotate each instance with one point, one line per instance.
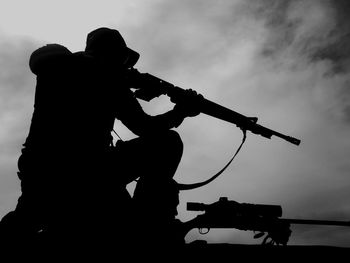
(131, 114)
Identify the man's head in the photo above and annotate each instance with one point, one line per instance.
(108, 44)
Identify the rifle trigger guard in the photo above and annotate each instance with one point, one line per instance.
(202, 232)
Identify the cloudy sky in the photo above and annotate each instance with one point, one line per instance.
(283, 61)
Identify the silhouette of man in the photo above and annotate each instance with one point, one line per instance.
(72, 177)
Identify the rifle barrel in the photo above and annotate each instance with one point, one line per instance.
(247, 123)
(215, 110)
(315, 222)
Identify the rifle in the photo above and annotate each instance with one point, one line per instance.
(262, 218)
(149, 87)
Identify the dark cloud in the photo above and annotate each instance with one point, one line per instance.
(338, 50)
(17, 86)
(285, 20)
(188, 34)
(273, 14)
(311, 36)
(15, 73)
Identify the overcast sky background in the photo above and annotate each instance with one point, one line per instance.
(284, 61)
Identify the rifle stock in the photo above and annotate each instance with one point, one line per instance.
(154, 87)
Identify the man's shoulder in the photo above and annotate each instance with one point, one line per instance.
(83, 57)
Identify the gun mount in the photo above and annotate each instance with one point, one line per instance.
(261, 218)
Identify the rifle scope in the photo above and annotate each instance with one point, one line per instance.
(241, 209)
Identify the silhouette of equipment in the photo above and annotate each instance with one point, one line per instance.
(149, 87)
(262, 218)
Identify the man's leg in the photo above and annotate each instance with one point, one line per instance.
(153, 158)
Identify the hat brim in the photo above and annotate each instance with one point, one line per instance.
(132, 58)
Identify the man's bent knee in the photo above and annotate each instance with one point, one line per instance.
(158, 155)
(171, 140)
